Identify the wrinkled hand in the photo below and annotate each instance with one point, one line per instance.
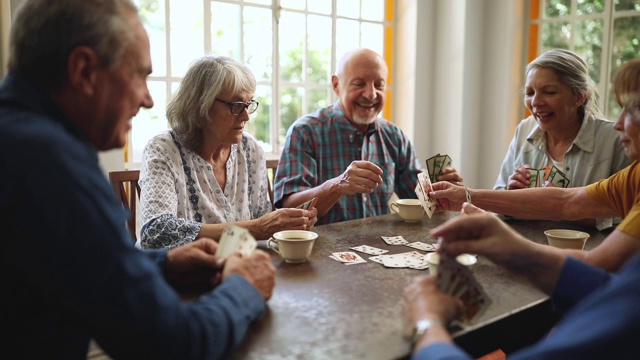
(360, 177)
(520, 179)
(451, 175)
(256, 268)
(194, 267)
(448, 196)
(285, 219)
(468, 209)
(423, 300)
(483, 234)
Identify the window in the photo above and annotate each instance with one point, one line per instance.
(603, 32)
(290, 45)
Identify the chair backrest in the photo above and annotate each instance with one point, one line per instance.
(272, 165)
(125, 184)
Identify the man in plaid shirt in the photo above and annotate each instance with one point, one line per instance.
(344, 155)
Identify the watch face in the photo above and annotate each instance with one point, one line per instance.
(421, 328)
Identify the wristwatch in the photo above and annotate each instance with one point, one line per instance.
(421, 327)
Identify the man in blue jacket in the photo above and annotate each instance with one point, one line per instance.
(70, 273)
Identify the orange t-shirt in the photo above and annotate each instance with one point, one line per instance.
(621, 191)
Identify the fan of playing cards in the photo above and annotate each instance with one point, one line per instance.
(235, 239)
(552, 175)
(458, 281)
(435, 165)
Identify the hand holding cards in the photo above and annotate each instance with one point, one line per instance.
(458, 281)
(235, 239)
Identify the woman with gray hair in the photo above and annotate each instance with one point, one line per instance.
(207, 171)
(565, 130)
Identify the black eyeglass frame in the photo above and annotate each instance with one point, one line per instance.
(237, 107)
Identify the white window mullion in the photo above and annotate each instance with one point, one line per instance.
(206, 8)
(275, 80)
(605, 60)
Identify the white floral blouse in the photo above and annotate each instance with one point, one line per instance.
(179, 191)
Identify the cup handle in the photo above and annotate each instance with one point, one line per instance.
(273, 245)
(394, 208)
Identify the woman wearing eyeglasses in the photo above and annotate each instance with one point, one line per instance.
(207, 171)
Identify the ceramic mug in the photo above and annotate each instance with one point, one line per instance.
(293, 245)
(410, 210)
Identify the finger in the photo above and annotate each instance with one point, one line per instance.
(368, 165)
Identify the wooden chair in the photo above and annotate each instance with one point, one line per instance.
(272, 165)
(125, 184)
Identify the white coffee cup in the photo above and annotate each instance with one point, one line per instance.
(410, 210)
(434, 259)
(567, 239)
(293, 245)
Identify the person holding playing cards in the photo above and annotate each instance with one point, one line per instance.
(207, 171)
(77, 75)
(344, 155)
(618, 195)
(601, 318)
(566, 141)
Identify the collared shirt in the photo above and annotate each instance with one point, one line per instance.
(179, 190)
(596, 154)
(601, 319)
(321, 146)
(69, 270)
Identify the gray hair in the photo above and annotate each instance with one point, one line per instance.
(207, 77)
(574, 72)
(45, 32)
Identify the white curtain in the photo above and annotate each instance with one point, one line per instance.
(458, 78)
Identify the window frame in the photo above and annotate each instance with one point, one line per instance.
(170, 81)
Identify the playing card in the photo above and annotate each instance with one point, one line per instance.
(437, 168)
(369, 250)
(408, 259)
(559, 179)
(235, 239)
(446, 162)
(458, 281)
(430, 166)
(394, 240)
(428, 204)
(534, 178)
(377, 259)
(308, 205)
(348, 257)
(421, 246)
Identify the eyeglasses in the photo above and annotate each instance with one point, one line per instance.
(237, 107)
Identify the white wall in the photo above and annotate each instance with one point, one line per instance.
(467, 67)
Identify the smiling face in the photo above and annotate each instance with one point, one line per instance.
(224, 128)
(550, 100)
(361, 86)
(122, 91)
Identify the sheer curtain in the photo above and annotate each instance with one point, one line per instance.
(5, 25)
(458, 79)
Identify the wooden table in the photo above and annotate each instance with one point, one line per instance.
(323, 309)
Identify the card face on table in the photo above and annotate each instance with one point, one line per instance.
(369, 250)
(348, 257)
(421, 246)
(235, 239)
(394, 240)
